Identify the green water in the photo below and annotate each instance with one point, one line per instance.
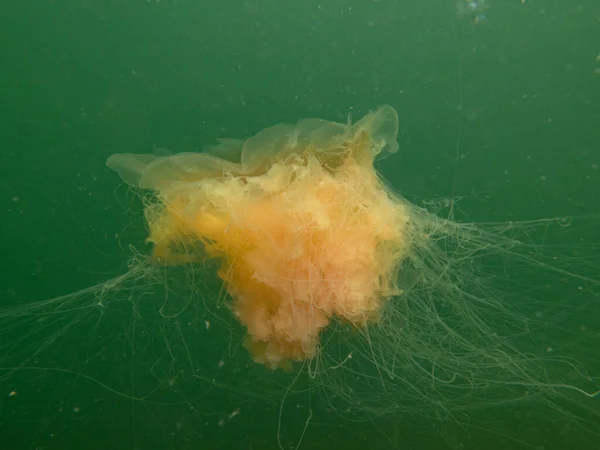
(501, 117)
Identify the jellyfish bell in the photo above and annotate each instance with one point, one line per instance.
(303, 228)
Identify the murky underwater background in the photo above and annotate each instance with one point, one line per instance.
(500, 116)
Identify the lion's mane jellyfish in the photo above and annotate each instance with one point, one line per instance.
(392, 307)
(377, 304)
(302, 228)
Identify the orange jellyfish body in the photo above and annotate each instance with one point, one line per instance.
(301, 225)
